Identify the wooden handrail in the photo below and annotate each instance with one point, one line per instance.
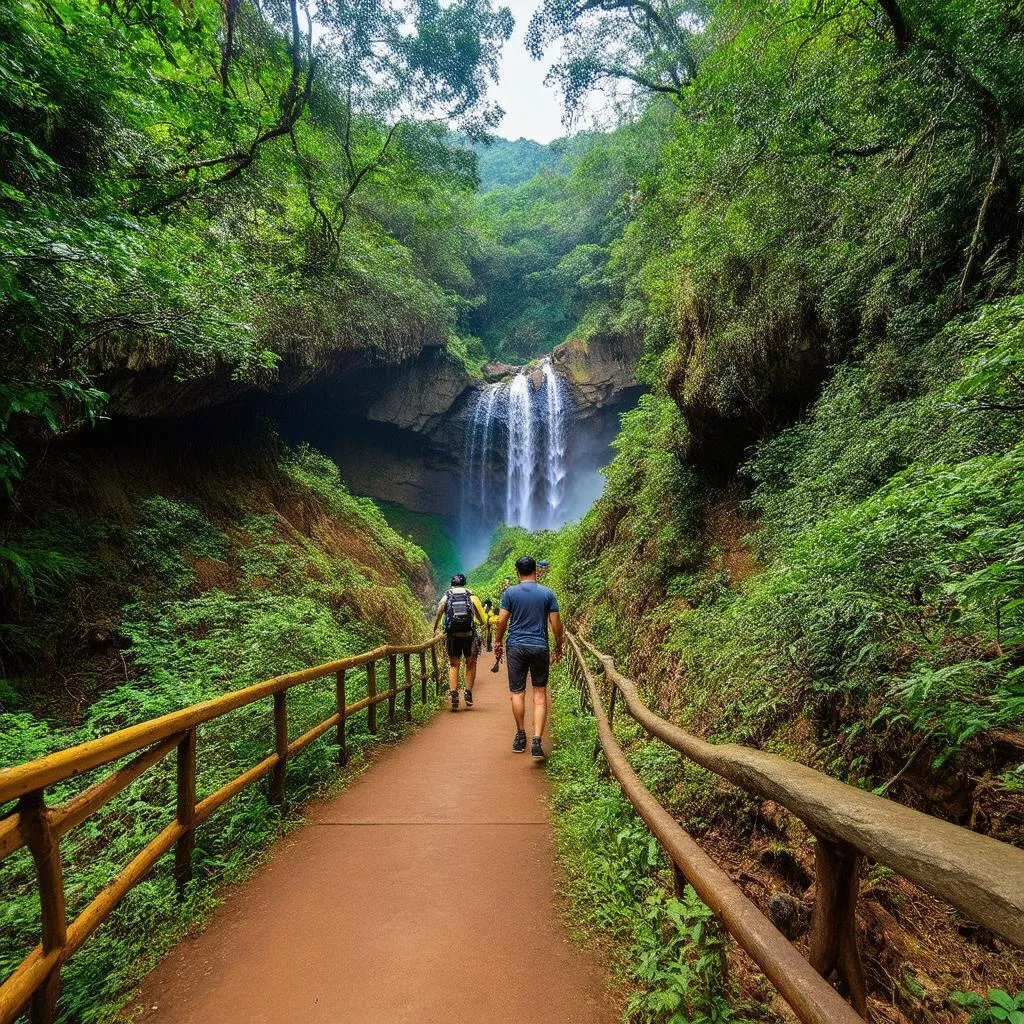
(37, 979)
(810, 995)
(980, 876)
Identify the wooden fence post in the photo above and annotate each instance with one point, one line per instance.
(679, 882)
(423, 677)
(281, 746)
(833, 945)
(407, 665)
(392, 686)
(43, 845)
(186, 809)
(339, 687)
(437, 674)
(371, 692)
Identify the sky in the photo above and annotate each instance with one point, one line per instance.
(532, 109)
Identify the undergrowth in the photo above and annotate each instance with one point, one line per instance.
(668, 950)
(289, 572)
(887, 611)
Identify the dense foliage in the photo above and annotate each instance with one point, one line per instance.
(502, 162)
(228, 188)
(543, 267)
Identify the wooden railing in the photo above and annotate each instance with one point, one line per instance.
(36, 981)
(980, 876)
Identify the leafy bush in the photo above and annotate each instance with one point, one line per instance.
(998, 1006)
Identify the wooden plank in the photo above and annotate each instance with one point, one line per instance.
(313, 734)
(43, 844)
(186, 809)
(980, 876)
(108, 898)
(10, 835)
(27, 977)
(423, 677)
(339, 689)
(437, 673)
(810, 996)
(217, 799)
(277, 779)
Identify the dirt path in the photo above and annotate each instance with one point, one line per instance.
(423, 893)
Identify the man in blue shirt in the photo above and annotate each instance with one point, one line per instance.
(527, 610)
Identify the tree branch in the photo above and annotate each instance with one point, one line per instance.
(900, 28)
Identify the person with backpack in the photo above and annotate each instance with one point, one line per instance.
(461, 610)
(528, 611)
(490, 621)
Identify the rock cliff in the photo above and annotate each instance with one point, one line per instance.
(601, 371)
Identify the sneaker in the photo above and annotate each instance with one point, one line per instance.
(519, 743)
(536, 750)
(469, 698)
(455, 700)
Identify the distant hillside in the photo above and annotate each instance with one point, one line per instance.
(504, 162)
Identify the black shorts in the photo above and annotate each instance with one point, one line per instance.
(521, 660)
(462, 646)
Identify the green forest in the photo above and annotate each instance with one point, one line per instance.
(805, 218)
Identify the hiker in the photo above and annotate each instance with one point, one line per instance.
(490, 621)
(527, 610)
(542, 569)
(462, 610)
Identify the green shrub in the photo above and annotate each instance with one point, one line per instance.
(670, 951)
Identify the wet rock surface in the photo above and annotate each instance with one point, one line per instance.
(601, 371)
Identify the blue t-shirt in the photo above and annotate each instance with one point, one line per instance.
(528, 605)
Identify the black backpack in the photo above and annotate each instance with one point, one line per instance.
(458, 613)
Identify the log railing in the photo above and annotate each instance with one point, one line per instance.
(35, 983)
(980, 876)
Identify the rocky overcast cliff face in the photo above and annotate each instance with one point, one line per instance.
(400, 433)
(397, 431)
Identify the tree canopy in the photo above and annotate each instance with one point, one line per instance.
(229, 185)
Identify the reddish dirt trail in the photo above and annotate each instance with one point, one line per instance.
(423, 893)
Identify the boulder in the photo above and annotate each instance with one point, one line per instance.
(600, 370)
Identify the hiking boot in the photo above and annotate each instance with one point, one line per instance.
(519, 743)
(455, 700)
(536, 750)
(469, 698)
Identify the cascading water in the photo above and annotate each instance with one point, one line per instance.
(554, 463)
(521, 457)
(489, 399)
(522, 427)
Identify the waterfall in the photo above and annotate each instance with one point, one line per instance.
(490, 397)
(520, 458)
(554, 461)
(522, 427)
